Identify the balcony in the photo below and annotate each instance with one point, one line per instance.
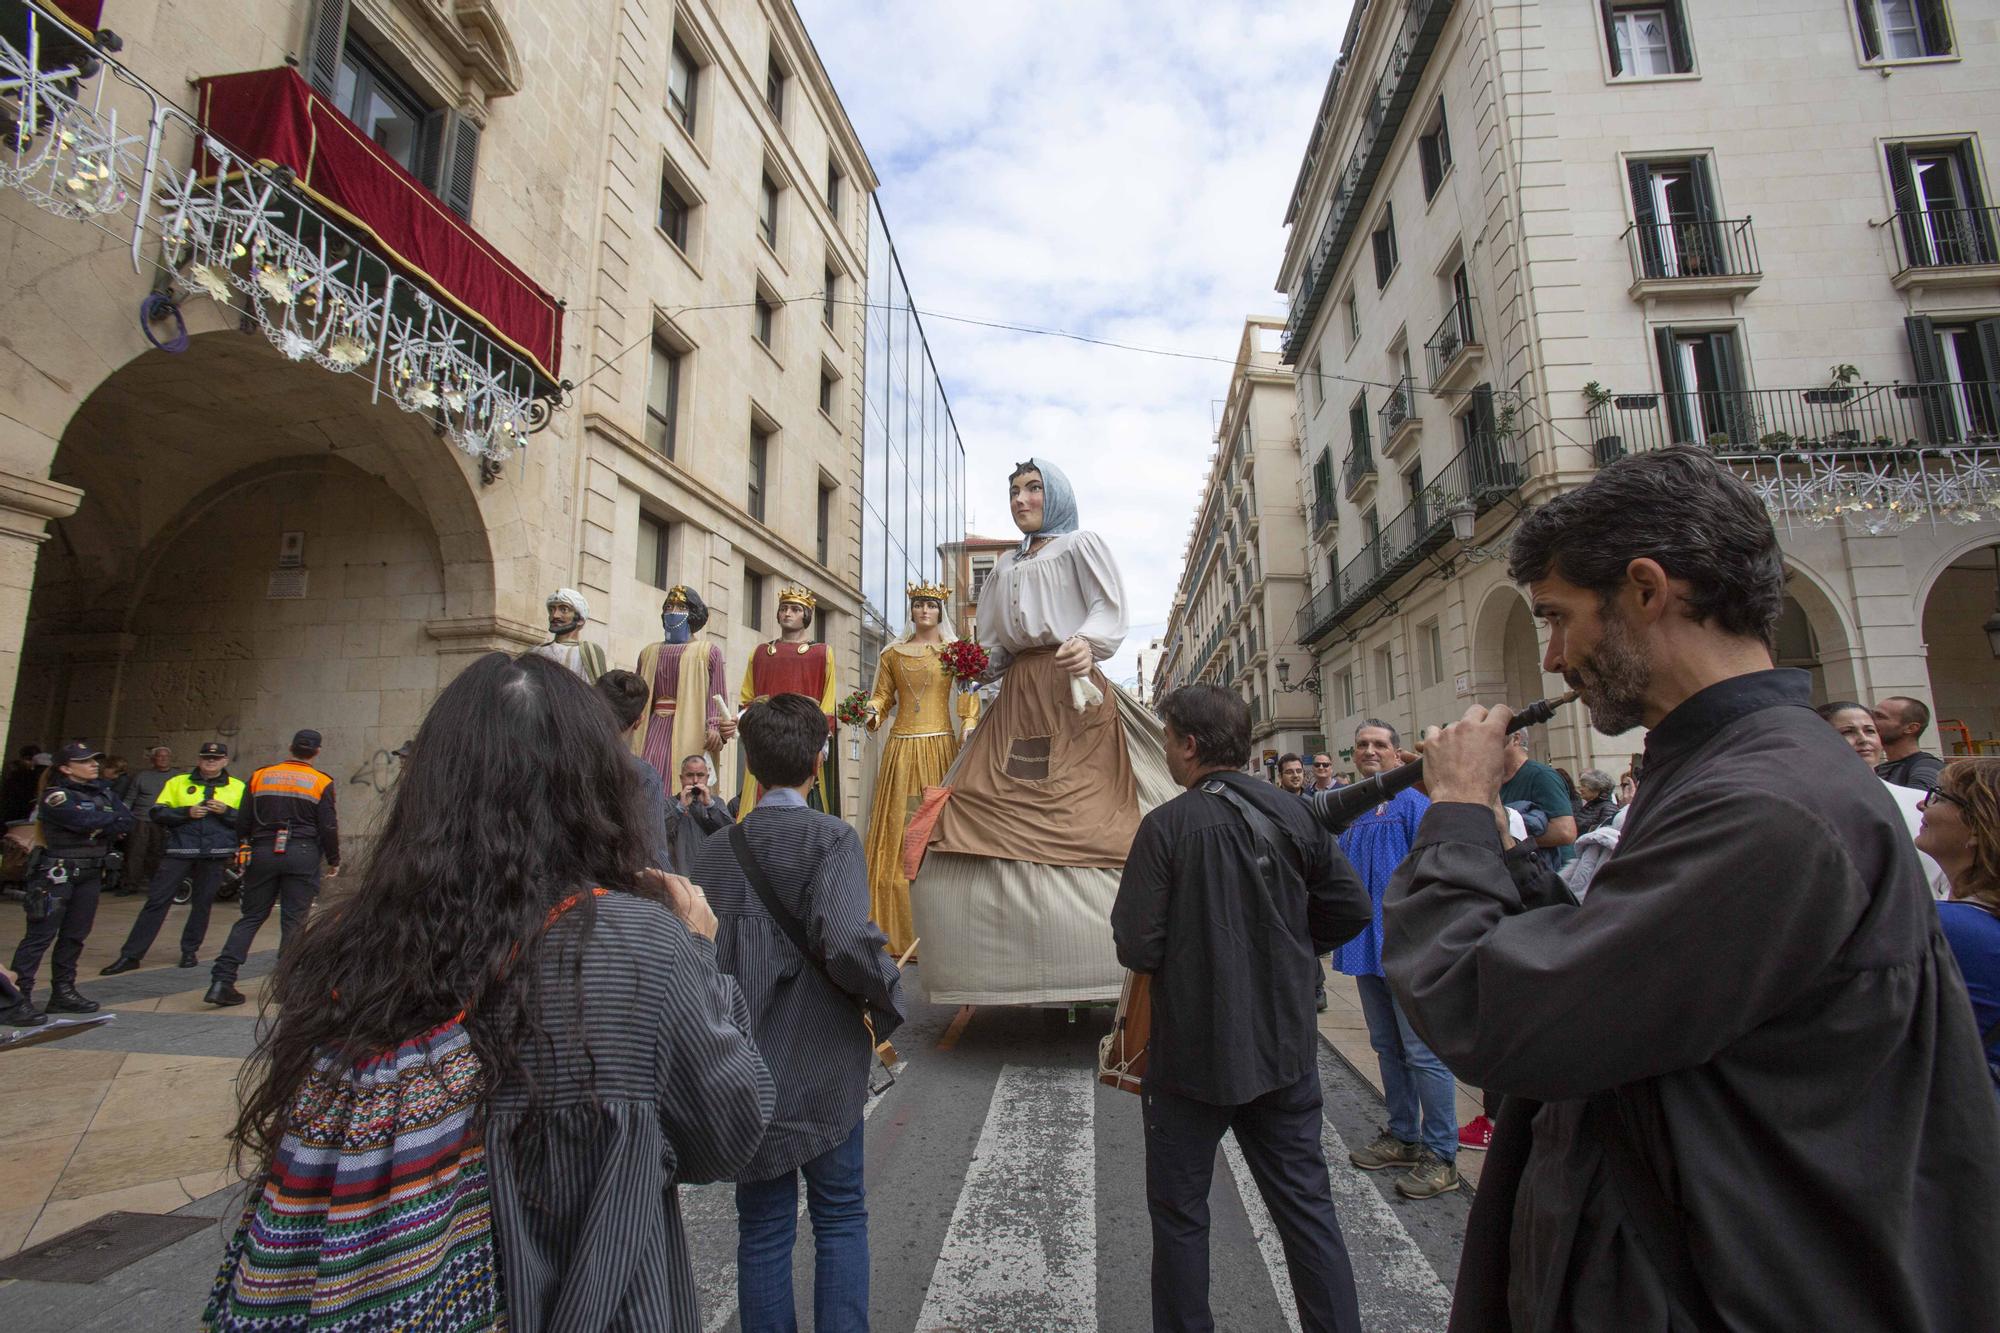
(1454, 350)
(276, 207)
(1841, 418)
(1693, 258)
(1483, 473)
(1401, 426)
(1325, 517)
(1357, 474)
(1947, 247)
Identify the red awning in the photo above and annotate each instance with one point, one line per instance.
(275, 117)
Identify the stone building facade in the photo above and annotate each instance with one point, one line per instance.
(231, 540)
(1527, 239)
(1245, 575)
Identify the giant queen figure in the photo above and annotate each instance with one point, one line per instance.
(793, 664)
(1013, 899)
(683, 675)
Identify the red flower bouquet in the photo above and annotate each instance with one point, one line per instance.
(853, 710)
(964, 660)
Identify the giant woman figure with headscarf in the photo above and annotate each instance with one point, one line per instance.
(1013, 901)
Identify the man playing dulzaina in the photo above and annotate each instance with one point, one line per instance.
(1743, 1088)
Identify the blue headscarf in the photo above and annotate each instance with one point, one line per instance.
(1058, 503)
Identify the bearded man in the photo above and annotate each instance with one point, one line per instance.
(1743, 1087)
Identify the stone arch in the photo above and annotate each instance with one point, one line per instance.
(1497, 630)
(1956, 595)
(1835, 662)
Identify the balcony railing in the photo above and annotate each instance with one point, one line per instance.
(323, 255)
(1324, 511)
(1458, 330)
(1360, 466)
(1841, 418)
(1948, 237)
(1398, 409)
(1484, 472)
(1692, 249)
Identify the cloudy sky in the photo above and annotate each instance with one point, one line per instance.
(1114, 168)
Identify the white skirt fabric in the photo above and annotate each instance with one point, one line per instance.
(996, 931)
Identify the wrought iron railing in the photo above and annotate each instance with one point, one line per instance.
(1948, 237)
(1324, 511)
(1458, 330)
(1398, 408)
(1693, 249)
(1359, 466)
(1844, 418)
(1483, 473)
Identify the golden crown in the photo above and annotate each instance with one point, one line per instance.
(936, 592)
(793, 593)
(677, 595)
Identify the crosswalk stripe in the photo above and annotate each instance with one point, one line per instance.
(1377, 1239)
(1269, 1244)
(1021, 1249)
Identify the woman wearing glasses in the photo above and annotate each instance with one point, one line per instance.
(1961, 831)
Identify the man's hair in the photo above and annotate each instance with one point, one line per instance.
(1677, 506)
(1828, 711)
(1595, 783)
(1215, 719)
(782, 738)
(1911, 712)
(150, 753)
(699, 756)
(1395, 737)
(625, 692)
(1288, 758)
(30, 751)
(1322, 754)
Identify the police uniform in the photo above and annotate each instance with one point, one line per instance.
(81, 823)
(197, 849)
(288, 818)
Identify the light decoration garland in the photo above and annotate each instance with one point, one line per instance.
(238, 233)
(1880, 494)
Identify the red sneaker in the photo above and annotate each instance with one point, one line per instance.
(1477, 1133)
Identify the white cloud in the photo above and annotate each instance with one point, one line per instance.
(1117, 169)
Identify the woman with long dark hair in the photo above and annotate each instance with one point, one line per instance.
(507, 895)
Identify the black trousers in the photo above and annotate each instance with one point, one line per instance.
(1279, 1134)
(291, 881)
(207, 874)
(68, 924)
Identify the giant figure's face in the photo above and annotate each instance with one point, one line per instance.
(1024, 500)
(925, 613)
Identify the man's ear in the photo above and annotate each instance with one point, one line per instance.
(1648, 589)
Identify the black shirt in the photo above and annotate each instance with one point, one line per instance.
(1919, 770)
(1233, 964)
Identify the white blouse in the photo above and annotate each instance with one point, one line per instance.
(1069, 587)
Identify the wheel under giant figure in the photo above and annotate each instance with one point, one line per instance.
(1013, 900)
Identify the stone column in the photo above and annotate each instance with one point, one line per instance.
(26, 506)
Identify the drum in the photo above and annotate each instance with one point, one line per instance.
(1121, 1056)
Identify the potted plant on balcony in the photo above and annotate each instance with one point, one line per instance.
(1839, 388)
(1606, 448)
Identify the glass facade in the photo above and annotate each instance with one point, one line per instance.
(913, 463)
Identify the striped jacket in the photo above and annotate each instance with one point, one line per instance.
(810, 1033)
(293, 795)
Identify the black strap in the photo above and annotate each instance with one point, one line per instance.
(1269, 838)
(739, 842)
(1657, 1223)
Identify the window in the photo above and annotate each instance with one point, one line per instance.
(982, 569)
(1385, 674)
(1384, 241)
(1703, 383)
(439, 148)
(1413, 486)
(1903, 29)
(1964, 361)
(830, 296)
(1647, 40)
(1323, 486)
(1940, 208)
(676, 211)
(1434, 152)
(834, 180)
(828, 380)
(1344, 691)
(753, 599)
(767, 211)
(1673, 209)
(663, 398)
(1315, 388)
(823, 524)
(1430, 654)
(775, 77)
(683, 82)
(651, 567)
(1357, 428)
(765, 327)
(760, 463)
(1353, 309)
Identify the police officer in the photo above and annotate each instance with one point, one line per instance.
(196, 812)
(288, 819)
(81, 821)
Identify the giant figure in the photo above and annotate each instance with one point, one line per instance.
(793, 664)
(683, 674)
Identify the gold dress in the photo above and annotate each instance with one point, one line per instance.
(911, 679)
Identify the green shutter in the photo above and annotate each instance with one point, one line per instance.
(1646, 218)
(1936, 25)
(1988, 389)
(1677, 38)
(1928, 362)
(1871, 33)
(1611, 38)
(1680, 422)
(1903, 189)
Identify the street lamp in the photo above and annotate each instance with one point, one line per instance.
(1310, 683)
(1463, 516)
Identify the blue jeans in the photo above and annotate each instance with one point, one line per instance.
(767, 1215)
(1413, 1079)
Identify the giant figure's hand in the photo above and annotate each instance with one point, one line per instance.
(1074, 656)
